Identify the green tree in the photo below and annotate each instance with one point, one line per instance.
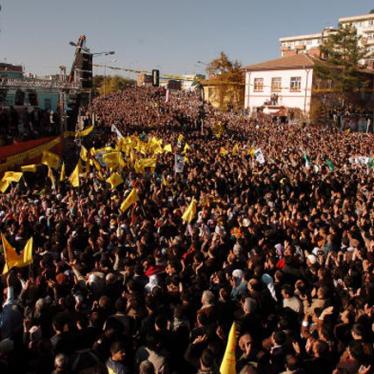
(224, 69)
(106, 85)
(372, 11)
(342, 52)
(227, 78)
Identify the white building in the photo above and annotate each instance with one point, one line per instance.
(310, 43)
(300, 44)
(288, 80)
(365, 28)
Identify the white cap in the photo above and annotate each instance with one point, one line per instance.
(237, 273)
(312, 259)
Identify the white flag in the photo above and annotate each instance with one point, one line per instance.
(259, 156)
(179, 163)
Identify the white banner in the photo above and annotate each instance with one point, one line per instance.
(179, 164)
(259, 156)
(114, 128)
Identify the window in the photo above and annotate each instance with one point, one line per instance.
(295, 84)
(259, 84)
(276, 84)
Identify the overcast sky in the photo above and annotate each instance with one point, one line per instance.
(171, 35)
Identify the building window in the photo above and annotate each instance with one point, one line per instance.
(276, 84)
(259, 84)
(295, 84)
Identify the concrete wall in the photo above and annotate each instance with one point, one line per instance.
(300, 99)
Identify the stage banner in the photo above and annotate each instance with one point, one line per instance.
(28, 152)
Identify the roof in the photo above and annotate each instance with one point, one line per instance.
(300, 37)
(300, 61)
(357, 18)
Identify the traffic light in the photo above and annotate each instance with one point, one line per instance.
(155, 78)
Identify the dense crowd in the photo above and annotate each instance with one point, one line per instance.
(283, 248)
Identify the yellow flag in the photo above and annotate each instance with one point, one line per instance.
(12, 176)
(27, 252)
(141, 164)
(100, 176)
(114, 160)
(32, 168)
(86, 131)
(168, 149)
(190, 212)
(131, 198)
(228, 365)
(186, 148)
(4, 186)
(95, 163)
(235, 150)
(165, 182)
(50, 159)
(62, 172)
(104, 150)
(83, 153)
(74, 177)
(223, 151)
(115, 180)
(13, 259)
(51, 177)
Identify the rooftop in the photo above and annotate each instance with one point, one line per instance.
(300, 61)
(356, 18)
(300, 37)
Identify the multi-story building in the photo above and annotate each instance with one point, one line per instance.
(301, 44)
(310, 43)
(294, 83)
(365, 28)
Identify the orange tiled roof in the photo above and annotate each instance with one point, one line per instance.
(299, 61)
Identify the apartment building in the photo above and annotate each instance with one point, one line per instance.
(301, 44)
(365, 28)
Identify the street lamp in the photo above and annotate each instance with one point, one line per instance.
(103, 53)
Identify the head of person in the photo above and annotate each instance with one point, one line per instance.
(118, 351)
(146, 367)
(207, 298)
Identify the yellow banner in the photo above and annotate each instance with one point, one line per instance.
(28, 155)
(79, 134)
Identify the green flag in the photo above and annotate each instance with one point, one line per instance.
(371, 163)
(330, 164)
(307, 161)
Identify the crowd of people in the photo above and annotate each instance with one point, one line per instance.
(283, 248)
